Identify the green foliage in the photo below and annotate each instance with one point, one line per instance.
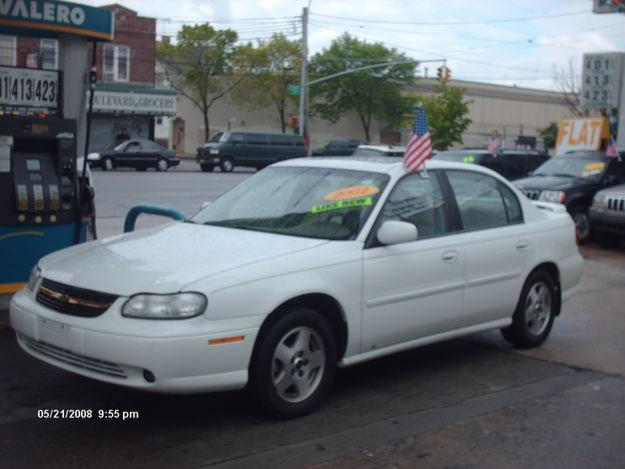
(272, 65)
(549, 135)
(447, 115)
(374, 93)
(201, 65)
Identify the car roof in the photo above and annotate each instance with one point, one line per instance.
(382, 147)
(383, 164)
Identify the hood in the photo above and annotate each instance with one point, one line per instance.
(618, 190)
(551, 183)
(165, 259)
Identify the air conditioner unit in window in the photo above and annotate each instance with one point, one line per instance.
(109, 76)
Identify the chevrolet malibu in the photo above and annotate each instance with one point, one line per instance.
(309, 265)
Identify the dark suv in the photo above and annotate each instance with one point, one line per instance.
(511, 164)
(230, 149)
(342, 147)
(573, 180)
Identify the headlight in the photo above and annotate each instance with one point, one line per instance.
(93, 156)
(600, 201)
(176, 306)
(33, 278)
(552, 196)
(214, 151)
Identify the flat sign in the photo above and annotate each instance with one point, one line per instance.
(54, 17)
(28, 89)
(581, 134)
(114, 102)
(601, 80)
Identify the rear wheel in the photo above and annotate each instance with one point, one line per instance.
(162, 164)
(294, 364)
(533, 317)
(227, 164)
(207, 167)
(107, 164)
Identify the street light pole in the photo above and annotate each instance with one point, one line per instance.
(303, 94)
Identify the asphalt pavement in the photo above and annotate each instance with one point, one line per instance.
(475, 402)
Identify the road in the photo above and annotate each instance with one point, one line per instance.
(474, 402)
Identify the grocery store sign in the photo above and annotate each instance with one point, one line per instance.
(112, 102)
(26, 16)
(581, 134)
(28, 89)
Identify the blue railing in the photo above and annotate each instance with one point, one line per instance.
(134, 212)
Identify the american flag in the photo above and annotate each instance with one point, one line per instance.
(419, 146)
(611, 150)
(492, 145)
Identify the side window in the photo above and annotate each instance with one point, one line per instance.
(133, 146)
(479, 200)
(419, 201)
(617, 170)
(237, 138)
(511, 202)
(257, 139)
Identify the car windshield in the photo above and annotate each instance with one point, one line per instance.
(458, 157)
(218, 137)
(572, 166)
(322, 203)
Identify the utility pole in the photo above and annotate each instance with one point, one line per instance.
(303, 89)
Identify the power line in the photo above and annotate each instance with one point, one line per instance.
(457, 23)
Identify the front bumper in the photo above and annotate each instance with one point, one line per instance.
(181, 362)
(607, 221)
(209, 159)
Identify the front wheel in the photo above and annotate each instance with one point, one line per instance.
(207, 167)
(533, 317)
(162, 165)
(227, 165)
(294, 364)
(107, 164)
(582, 224)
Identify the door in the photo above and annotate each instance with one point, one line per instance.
(131, 155)
(414, 289)
(495, 244)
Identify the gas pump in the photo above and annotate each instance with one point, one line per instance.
(39, 179)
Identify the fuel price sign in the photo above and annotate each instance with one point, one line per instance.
(601, 80)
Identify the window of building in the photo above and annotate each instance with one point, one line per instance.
(49, 54)
(116, 63)
(8, 54)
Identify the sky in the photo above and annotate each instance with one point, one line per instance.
(512, 42)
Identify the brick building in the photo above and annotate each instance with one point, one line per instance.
(126, 101)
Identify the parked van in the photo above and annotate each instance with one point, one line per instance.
(230, 149)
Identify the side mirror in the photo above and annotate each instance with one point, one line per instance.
(397, 232)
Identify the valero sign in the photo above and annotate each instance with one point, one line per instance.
(47, 17)
(581, 134)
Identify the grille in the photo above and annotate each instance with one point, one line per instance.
(73, 301)
(70, 358)
(616, 204)
(533, 195)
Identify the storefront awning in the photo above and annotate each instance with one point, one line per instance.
(113, 98)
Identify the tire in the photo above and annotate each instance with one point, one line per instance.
(226, 165)
(207, 168)
(535, 312)
(108, 164)
(293, 364)
(162, 165)
(608, 240)
(582, 224)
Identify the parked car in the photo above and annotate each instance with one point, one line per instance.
(231, 149)
(607, 215)
(511, 164)
(573, 180)
(342, 147)
(380, 150)
(138, 154)
(307, 265)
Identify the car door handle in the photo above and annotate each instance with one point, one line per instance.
(522, 245)
(449, 257)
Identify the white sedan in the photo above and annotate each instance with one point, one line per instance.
(308, 265)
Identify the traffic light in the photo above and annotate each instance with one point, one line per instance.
(444, 73)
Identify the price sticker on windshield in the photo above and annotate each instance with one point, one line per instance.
(339, 204)
(593, 168)
(352, 192)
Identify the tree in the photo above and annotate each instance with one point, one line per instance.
(375, 93)
(567, 83)
(201, 65)
(274, 65)
(447, 115)
(549, 135)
